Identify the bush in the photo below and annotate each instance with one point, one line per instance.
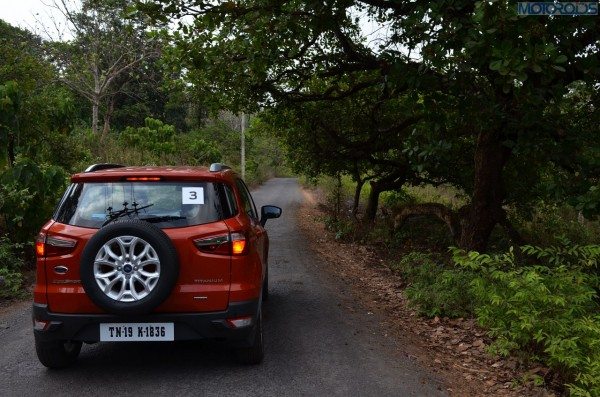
(343, 229)
(550, 220)
(194, 150)
(11, 264)
(28, 194)
(543, 303)
(540, 302)
(155, 139)
(434, 288)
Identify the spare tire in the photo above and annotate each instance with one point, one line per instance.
(129, 267)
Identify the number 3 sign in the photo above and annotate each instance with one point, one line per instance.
(192, 195)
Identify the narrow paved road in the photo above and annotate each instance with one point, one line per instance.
(313, 346)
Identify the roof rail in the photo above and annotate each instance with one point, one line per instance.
(102, 166)
(217, 167)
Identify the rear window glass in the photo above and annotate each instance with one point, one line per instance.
(166, 204)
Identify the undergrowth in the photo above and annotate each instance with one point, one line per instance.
(541, 302)
(433, 287)
(11, 263)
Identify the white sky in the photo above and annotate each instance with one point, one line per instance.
(34, 15)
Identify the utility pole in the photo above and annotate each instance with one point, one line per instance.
(243, 142)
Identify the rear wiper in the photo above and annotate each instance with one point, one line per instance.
(164, 218)
(112, 215)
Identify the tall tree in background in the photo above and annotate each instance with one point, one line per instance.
(508, 73)
(106, 52)
(32, 102)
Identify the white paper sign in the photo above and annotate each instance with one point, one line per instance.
(192, 195)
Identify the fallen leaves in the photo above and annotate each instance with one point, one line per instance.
(455, 348)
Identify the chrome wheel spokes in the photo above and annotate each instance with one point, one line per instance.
(127, 268)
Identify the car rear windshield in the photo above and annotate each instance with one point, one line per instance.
(166, 204)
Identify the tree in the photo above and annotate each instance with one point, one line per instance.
(32, 103)
(360, 135)
(468, 57)
(106, 52)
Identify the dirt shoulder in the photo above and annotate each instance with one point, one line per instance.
(455, 349)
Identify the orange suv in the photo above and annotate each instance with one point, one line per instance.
(151, 254)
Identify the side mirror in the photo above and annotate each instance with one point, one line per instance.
(269, 212)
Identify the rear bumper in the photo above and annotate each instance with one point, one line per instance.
(188, 326)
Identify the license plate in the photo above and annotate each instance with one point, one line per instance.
(136, 332)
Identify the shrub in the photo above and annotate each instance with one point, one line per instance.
(344, 229)
(155, 138)
(550, 220)
(10, 266)
(28, 194)
(193, 149)
(434, 288)
(545, 304)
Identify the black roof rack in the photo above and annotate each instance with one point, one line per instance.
(216, 167)
(102, 166)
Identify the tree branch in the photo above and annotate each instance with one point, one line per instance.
(440, 211)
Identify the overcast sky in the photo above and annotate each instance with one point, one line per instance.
(26, 14)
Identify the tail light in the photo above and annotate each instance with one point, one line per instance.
(238, 244)
(143, 178)
(46, 245)
(223, 244)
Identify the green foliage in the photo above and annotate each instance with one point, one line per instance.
(398, 198)
(28, 194)
(31, 103)
(434, 288)
(545, 221)
(544, 304)
(589, 202)
(539, 302)
(10, 103)
(11, 263)
(155, 137)
(157, 119)
(142, 146)
(343, 229)
(158, 143)
(195, 150)
(265, 153)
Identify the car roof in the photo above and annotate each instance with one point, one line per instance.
(167, 173)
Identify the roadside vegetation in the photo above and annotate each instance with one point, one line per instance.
(538, 301)
(458, 138)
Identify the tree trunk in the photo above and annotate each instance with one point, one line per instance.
(107, 116)
(373, 202)
(359, 185)
(337, 196)
(95, 106)
(485, 210)
(95, 98)
(445, 214)
(389, 182)
(10, 149)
